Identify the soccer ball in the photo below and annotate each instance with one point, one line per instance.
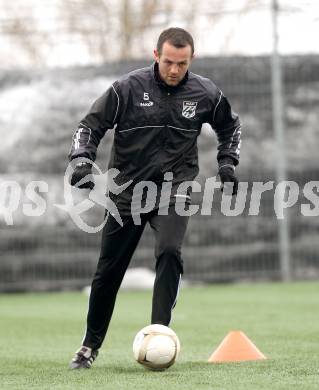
(156, 347)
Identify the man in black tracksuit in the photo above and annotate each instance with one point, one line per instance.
(157, 113)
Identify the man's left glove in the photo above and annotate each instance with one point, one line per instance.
(81, 170)
(227, 177)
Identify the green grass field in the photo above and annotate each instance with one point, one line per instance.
(40, 332)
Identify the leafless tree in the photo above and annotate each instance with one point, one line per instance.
(19, 26)
(88, 22)
(104, 29)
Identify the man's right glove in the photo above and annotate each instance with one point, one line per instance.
(227, 177)
(81, 170)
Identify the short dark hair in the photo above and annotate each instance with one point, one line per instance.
(177, 37)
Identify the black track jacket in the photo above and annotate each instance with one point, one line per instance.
(156, 127)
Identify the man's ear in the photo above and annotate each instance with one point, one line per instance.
(156, 55)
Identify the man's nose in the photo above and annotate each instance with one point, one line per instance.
(174, 68)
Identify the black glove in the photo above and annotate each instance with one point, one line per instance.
(81, 170)
(227, 177)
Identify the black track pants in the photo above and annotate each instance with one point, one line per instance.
(117, 248)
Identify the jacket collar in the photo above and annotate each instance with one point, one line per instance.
(162, 84)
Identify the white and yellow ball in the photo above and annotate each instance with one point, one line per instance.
(156, 347)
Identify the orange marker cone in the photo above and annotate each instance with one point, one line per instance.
(236, 347)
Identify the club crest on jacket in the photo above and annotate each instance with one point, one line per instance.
(189, 109)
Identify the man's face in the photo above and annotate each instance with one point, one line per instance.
(173, 63)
